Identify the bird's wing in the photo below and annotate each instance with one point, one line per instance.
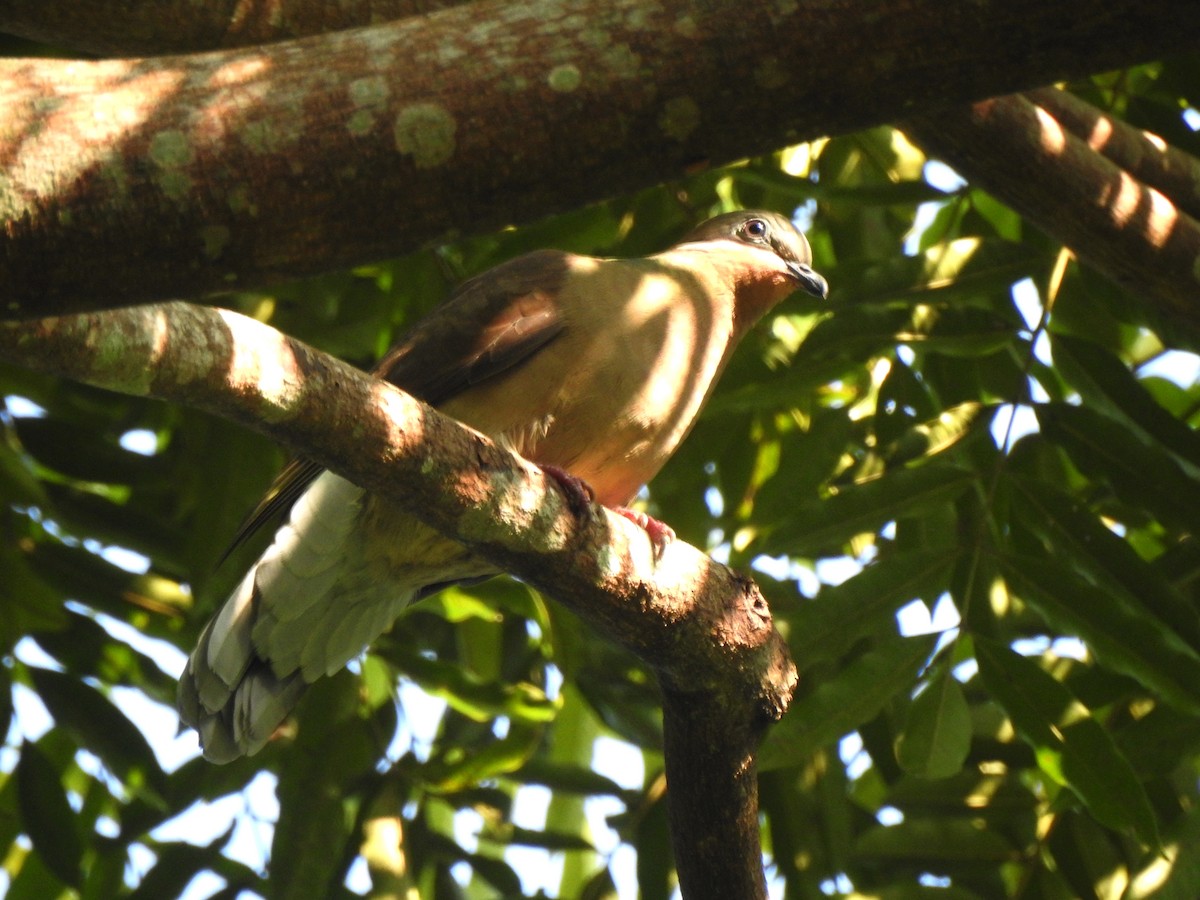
(490, 324)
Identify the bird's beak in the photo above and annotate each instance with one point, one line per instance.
(810, 281)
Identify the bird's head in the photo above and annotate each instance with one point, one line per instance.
(784, 263)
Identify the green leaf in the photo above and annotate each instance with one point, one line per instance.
(1084, 855)
(100, 518)
(949, 273)
(888, 193)
(867, 506)
(87, 650)
(86, 455)
(18, 484)
(1001, 799)
(548, 839)
(456, 605)
(333, 749)
(477, 699)
(1143, 475)
(33, 880)
(1068, 529)
(177, 864)
(934, 842)
(456, 769)
(1160, 741)
(840, 705)
(600, 887)
(497, 873)
(1172, 873)
(100, 727)
(47, 816)
(1050, 718)
(937, 735)
(6, 700)
(565, 778)
(934, 436)
(1124, 635)
(864, 604)
(1105, 381)
(26, 602)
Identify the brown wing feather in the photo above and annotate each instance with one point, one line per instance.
(488, 325)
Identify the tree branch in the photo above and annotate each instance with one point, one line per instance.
(109, 28)
(1145, 156)
(1132, 233)
(135, 180)
(706, 631)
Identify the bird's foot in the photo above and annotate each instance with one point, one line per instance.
(578, 492)
(660, 533)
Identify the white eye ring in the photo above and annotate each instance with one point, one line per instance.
(754, 229)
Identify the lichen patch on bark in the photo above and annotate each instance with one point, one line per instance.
(425, 131)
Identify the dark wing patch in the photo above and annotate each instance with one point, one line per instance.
(490, 324)
(287, 486)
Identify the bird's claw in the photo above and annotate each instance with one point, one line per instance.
(578, 492)
(660, 533)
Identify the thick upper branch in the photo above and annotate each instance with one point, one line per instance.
(110, 28)
(135, 180)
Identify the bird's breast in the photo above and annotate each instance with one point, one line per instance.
(614, 395)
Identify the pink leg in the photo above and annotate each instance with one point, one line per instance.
(660, 533)
(578, 492)
(580, 497)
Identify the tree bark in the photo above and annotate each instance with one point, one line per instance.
(1145, 156)
(695, 622)
(1131, 232)
(134, 180)
(712, 799)
(111, 28)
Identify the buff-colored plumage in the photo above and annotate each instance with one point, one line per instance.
(597, 367)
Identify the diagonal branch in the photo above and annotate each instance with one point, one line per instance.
(127, 181)
(1022, 155)
(706, 631)
(1144, 155)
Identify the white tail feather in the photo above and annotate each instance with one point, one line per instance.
(311, 603)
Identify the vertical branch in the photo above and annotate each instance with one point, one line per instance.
(712, 800)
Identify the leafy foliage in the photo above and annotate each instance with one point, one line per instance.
(974, 425)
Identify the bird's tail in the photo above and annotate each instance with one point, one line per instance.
(335, 577)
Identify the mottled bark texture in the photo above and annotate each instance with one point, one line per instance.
(133, 28)
(725, 670)
(1145, 156)
(135, 180)
(1023, 154)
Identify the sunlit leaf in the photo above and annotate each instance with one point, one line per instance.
(1097, 552)
(866, 603)
(838, 706)
(1124, 635)
(936, 435)
(1048, 716)
(1143, 474)
(857, 508)
(1104, 380)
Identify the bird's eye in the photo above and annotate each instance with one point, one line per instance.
(754, 229)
